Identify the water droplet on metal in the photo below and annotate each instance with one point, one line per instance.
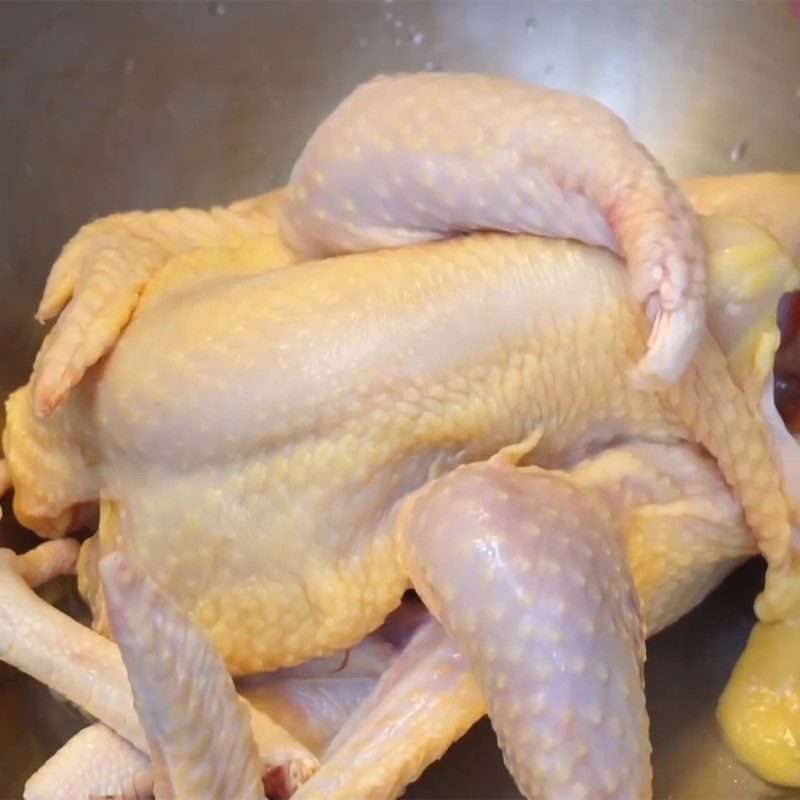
(389, 16)
(416, 37)
(530, 24)
(431, 66)
(217, 8)
(398, 23)
(398, 41)
(130, 66)
(739, 149)
(362, 41)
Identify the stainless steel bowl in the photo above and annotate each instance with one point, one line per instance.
(108, 107)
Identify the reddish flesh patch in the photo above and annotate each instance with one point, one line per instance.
(276, 783)
(787, 361)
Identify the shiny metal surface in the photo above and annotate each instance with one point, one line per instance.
(114, 106)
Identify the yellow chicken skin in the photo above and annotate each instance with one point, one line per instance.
(278, 443)
(759, 711)
(340, 442)
(306, 413)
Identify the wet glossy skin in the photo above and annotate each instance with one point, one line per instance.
(556, 377)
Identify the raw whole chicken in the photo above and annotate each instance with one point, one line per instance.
(480, 346)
